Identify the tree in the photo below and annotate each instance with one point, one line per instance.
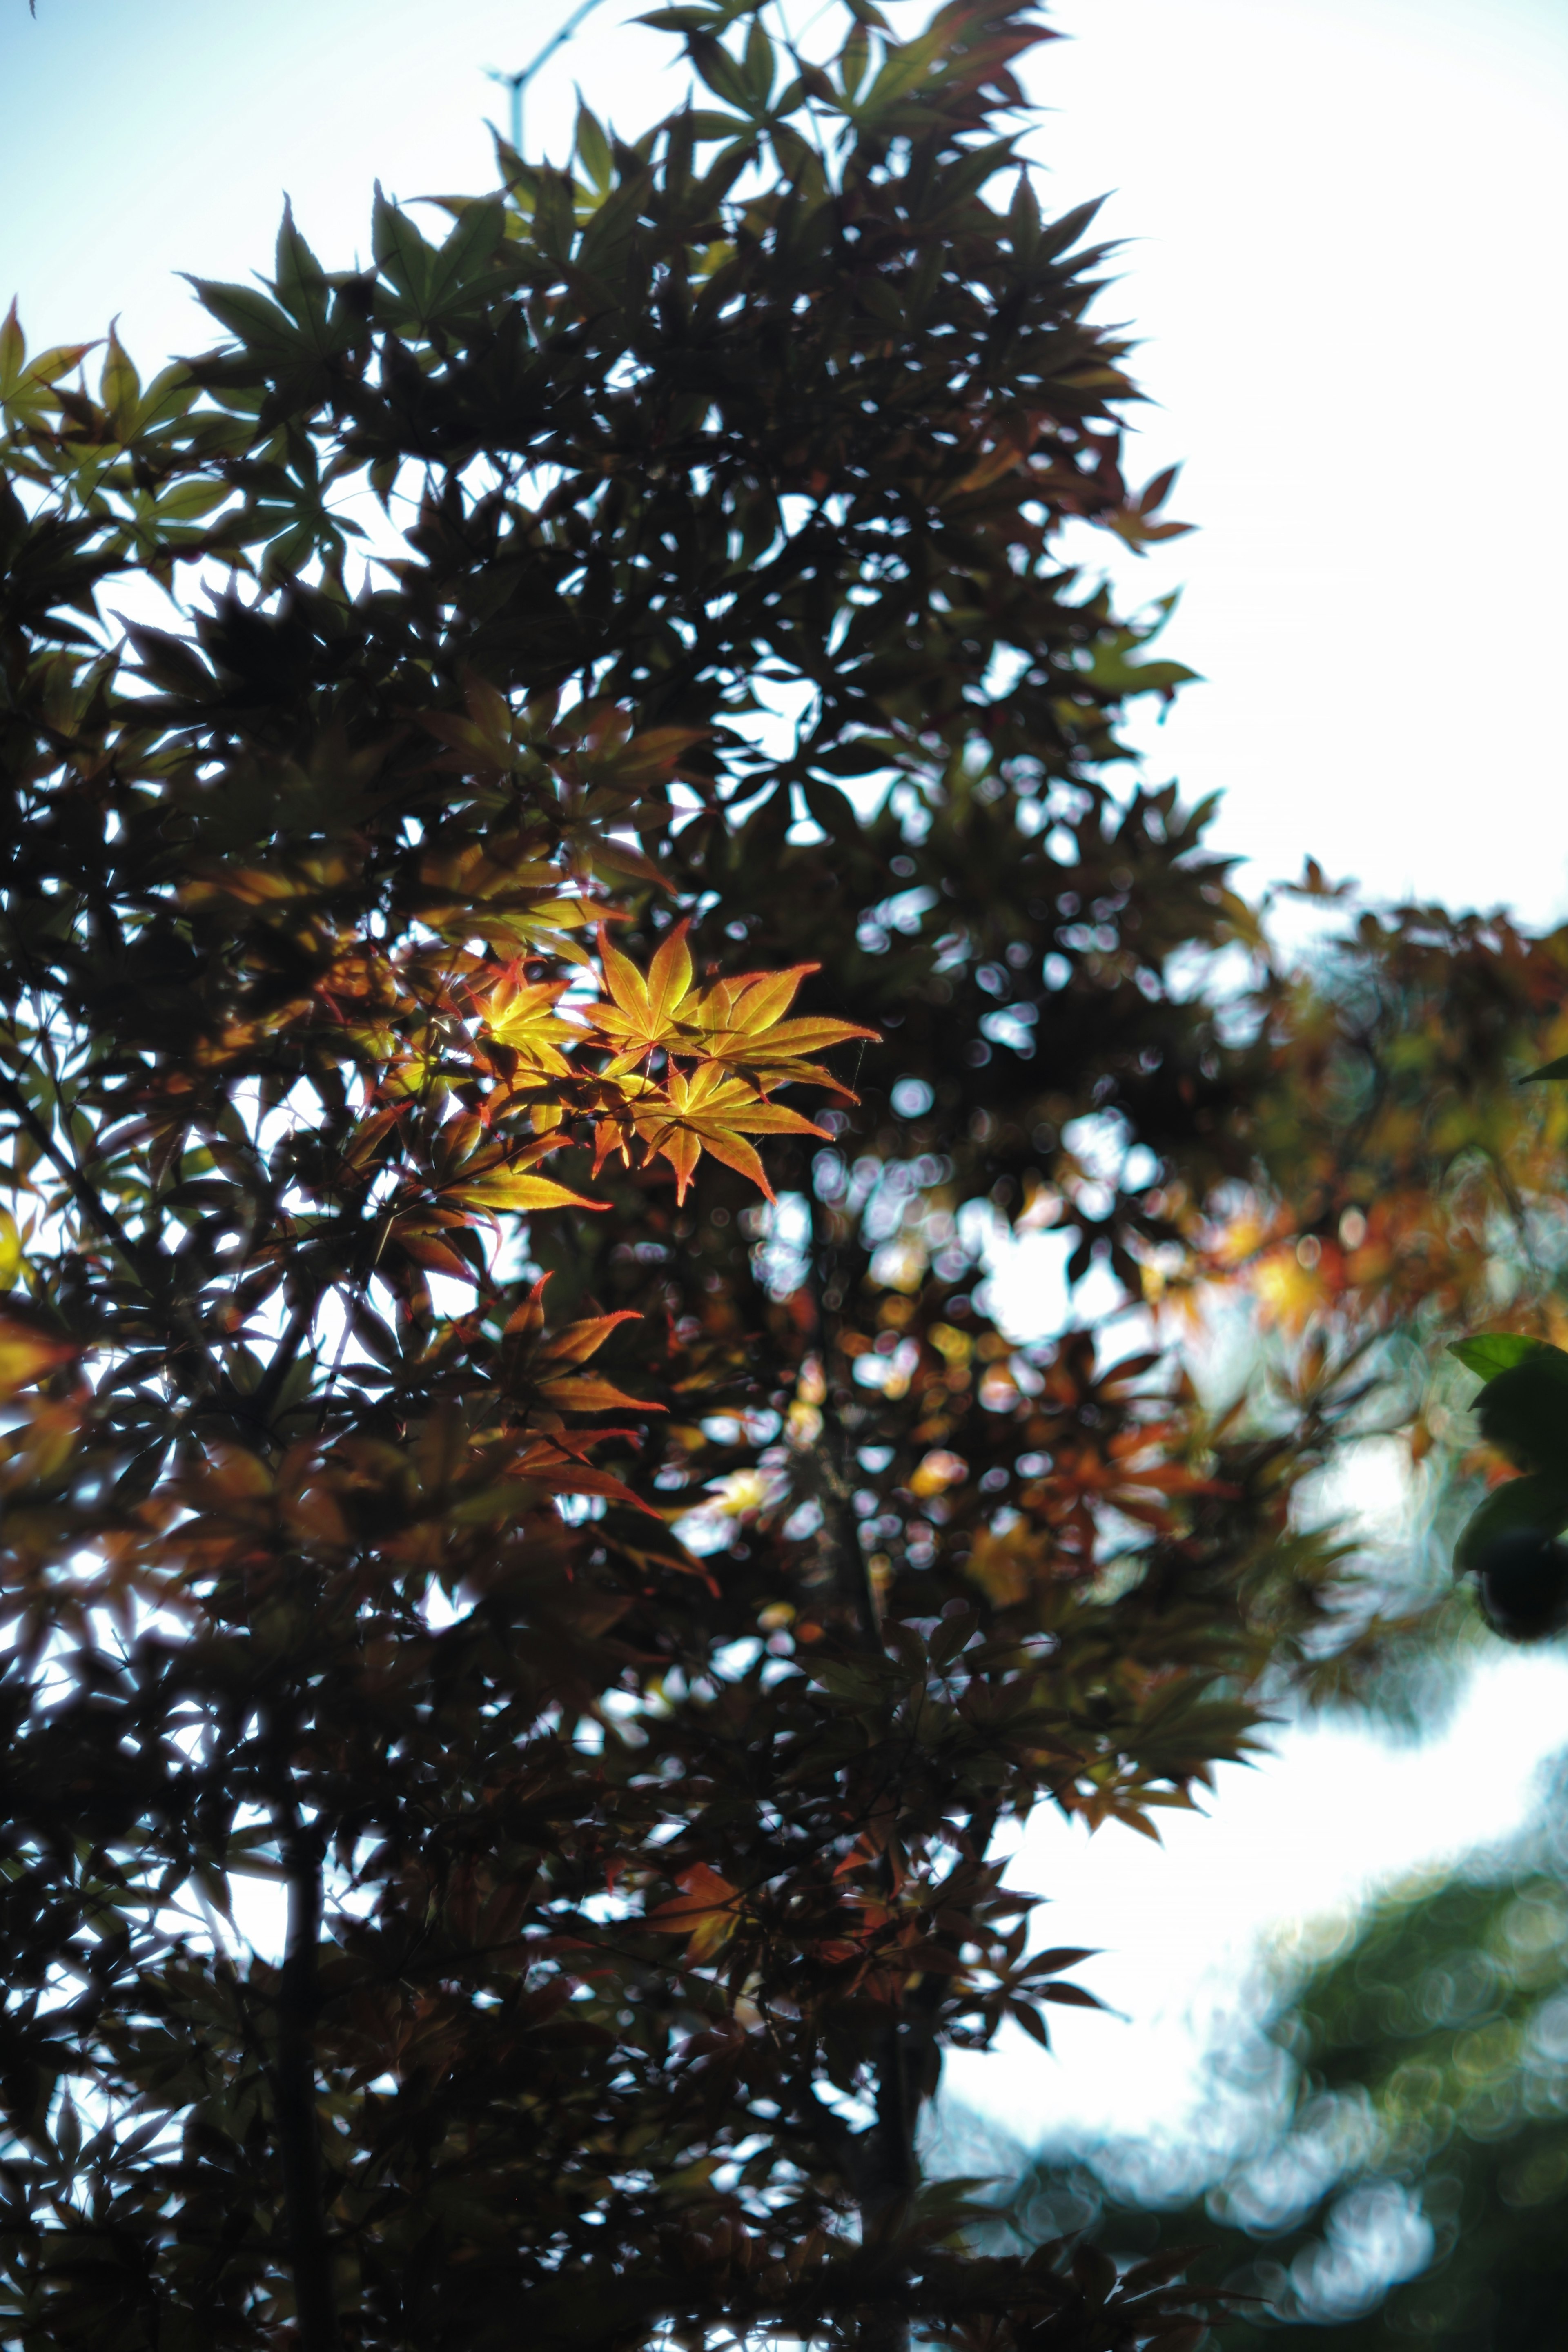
(631, 1742)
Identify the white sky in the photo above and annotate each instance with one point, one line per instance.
(1350, 218)
(1279, 1860)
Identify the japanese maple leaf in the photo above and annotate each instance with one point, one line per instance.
(707, 1910)
(739, 1023)
(508, 889)
(714, 1112)
(644, 1015)
(545, 1360)
(523, 1018)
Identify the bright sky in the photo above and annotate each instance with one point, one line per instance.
(1276, 1862)
(1349, 219)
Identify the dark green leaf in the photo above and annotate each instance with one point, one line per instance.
(1536, 1501)
(1524, 1410)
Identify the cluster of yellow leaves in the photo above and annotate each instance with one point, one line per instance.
(481, 1057)
(674, 1066)
(1374, 1265)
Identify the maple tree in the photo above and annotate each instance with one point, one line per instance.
(619, 1607)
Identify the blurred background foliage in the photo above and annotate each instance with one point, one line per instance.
(1396, 2080)
(1405, 2174)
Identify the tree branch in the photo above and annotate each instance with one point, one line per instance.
(887, 2173)
(294, 2088)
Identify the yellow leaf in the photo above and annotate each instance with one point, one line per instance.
(525, 1019)
(683, 1150)
(642, 1013)
(510, 1190)
(669, 974)
(711, 1111)
(741, 1019)
(735, 1152)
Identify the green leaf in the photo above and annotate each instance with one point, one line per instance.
(593, 148)
(190, 501)
(760, 67)
(301, 283)
(13, 350)
(1557, 1069)
(172, 392)
(1534, 1502)
(721, 72)
(405, 259)
(555, 218)
(264, 330)
(119, 388)
(707, 123)
(1491, 1352)
(465, 254)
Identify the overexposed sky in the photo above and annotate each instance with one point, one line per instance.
(1276, 1861)
(1345, 222)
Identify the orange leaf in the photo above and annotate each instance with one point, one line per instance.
(578, 1341)
(708, 1910)
(28, 1350)
(702, 1890)
(585, 1392)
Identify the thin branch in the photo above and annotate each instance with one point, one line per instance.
(294, 2088)
(265, 1395)
(85, 1194)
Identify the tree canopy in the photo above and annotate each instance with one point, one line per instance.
(588, 1532)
